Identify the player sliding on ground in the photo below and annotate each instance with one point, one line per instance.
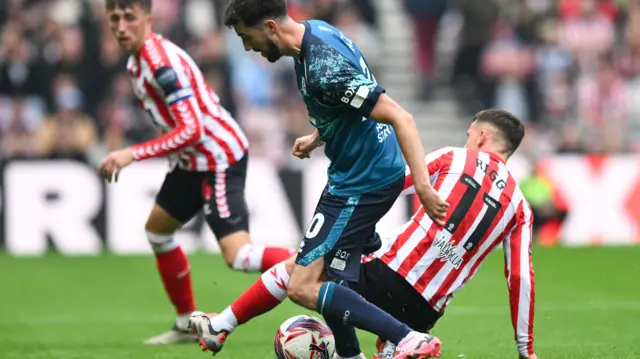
(365, 133)
(207, 152)
(415, 275)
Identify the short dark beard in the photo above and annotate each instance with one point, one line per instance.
(273, 52)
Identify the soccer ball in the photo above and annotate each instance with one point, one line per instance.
(304, 337)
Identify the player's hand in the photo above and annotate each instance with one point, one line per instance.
(114, 163)
(304, 145)
(434, 206)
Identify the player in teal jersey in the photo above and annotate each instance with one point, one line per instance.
(365, 133)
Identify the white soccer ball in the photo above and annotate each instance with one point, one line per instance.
(304, 337)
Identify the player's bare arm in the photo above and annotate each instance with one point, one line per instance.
(390, 112)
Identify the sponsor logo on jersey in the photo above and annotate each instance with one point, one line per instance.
(448, 251)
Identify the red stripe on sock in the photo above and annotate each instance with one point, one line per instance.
(176, 276)
(274, 255)
(255, 301)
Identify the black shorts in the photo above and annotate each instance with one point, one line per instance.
(341, 228)
(390, 292)
(219, 193)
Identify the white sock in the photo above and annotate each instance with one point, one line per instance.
(162, 243)
(249, 258)
(225, 321)
(276, 280)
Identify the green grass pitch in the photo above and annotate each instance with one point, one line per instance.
(104, 307)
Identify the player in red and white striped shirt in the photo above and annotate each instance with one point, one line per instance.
(414, 276)
(488, 210)
(207, 153)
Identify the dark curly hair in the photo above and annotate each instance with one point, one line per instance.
(251, 12)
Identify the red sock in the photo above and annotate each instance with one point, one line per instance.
(263, 295)
(275, 255)
(176, 276)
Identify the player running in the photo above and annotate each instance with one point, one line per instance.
(207, 152)
(364, 131)
(415, 275)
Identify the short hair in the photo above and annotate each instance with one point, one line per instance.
(510, 127)
(251, 12)
(123, 4)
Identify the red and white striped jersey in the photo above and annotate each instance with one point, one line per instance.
(487, 208)
(198, 134)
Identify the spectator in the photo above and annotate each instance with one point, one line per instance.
(479, 17)
(426, 17)
(68, 133)
(20, 118)
(507, 65)
(599, 28)
(348, 20)
(604, 108)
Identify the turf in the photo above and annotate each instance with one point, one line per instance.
(104, 307)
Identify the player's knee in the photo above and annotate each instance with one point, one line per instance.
(296, 293)
(238, 251)
(161, 222)
(296, 289)
(303, 293)
(289, 263)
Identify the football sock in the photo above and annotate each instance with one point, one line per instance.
(274, 255)
(226, 321)
(175, 271)
(347, 345)
(339, 301)
(263, 295)
(252, 258)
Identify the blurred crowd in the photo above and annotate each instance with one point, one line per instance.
(569, 68)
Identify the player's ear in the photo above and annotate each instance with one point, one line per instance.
(482, 138)
(271, 26)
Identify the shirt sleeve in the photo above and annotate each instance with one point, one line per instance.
(520, 279)
(336, 82)
(176, 102)
(434, 161)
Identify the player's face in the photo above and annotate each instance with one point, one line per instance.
(129, 26)
(261, 38)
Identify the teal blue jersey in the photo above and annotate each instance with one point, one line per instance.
(340, 92)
